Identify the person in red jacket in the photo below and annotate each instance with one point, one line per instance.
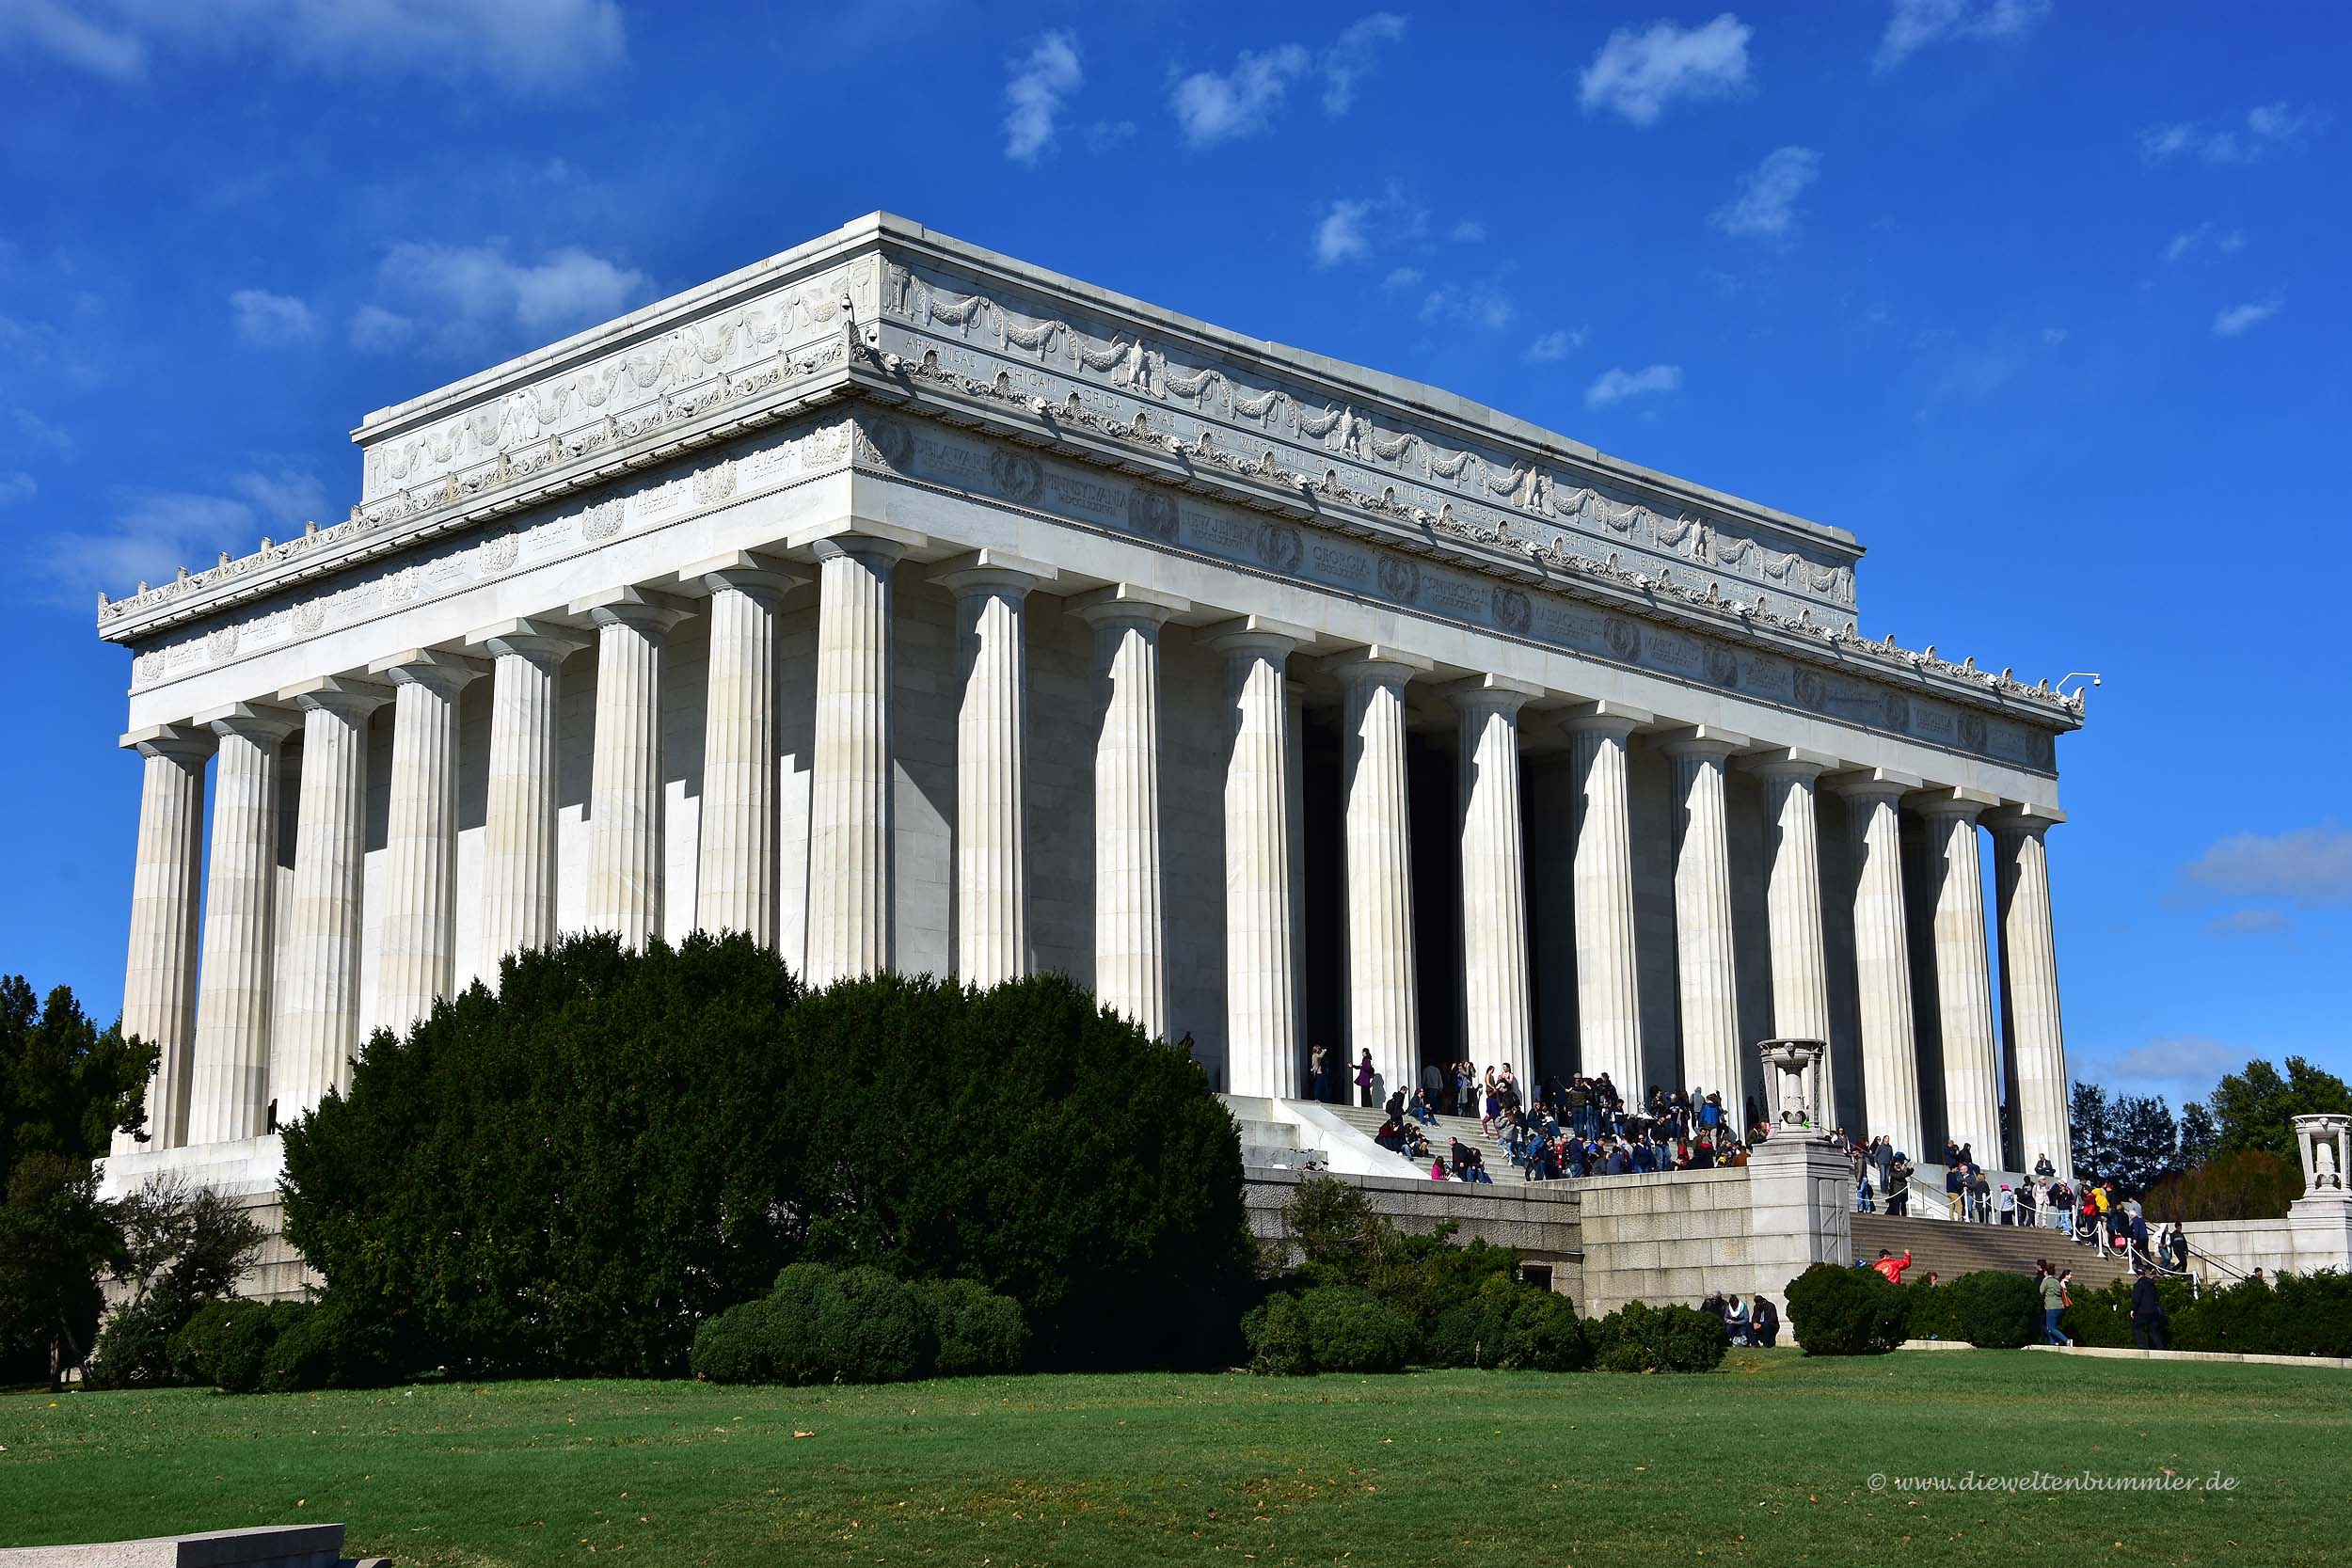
(1891, 1266)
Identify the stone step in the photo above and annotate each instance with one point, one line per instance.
(1368, 1119)
(1950, 1249)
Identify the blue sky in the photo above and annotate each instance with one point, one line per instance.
(2043, 302)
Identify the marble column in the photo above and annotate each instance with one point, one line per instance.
(1607, 984)
(519, 844)
(317, 1030)
(1707, 978)
(1498, 1014)
(625, 791)
(159, 977)
(1963, 983)
(735, 881)
(1881, 944)
(1261, 1013)
(1130, 917)
(849, 814)
(417, 948)
(2029, 985)
(992, 901)
(1792, 855)
(1383, 983)
(230, 1088)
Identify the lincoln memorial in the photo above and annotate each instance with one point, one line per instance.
(906, 606)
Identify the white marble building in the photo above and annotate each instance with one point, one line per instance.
(908, 606)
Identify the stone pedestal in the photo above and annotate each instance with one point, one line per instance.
(1800, 1212)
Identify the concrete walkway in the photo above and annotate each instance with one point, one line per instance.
(2335, 1361)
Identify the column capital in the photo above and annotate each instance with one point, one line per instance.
(1710, 742)
(1251, 634)
(1490, 693)
(444, 674)
(345, 696)
(861, 538)
(260, 722)
(536, 640)
(1126, 604)
(1377, 663)
(182, 742)
(1619, 719)
(1790, 761)
(740, 572)
(1949, 800)
(1873, 784)
(643, 607)
(989, 571)
(2022, 819)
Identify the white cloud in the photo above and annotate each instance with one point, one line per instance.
(1403, 277)
(1553, 346)
(16, 486)
(2305, 866)
(1035, 87)
(1349, 59)
(2191, 242)
(1212, 108)
(1615, 385)
(1766, 207)
(1481, 304)
(475, 291)
(376, 330)
(1340, 237)
(2241, 318)
(525, 42)
(1916, 23)
(2195, 1060)
(39, 431)
(2266, 128)
(270, 319)
(1105, 136)
(2254, 922)
(1467, 232)
(156, 533)
(2053, 335)
(1638, 74)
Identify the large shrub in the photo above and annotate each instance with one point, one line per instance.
(330, 1346)
(1639, 1338)
(1350, 1330)
(1995, 1310)
(184, 1248)
(1275, 1332)
(1931, 1314)
(859, 1326)
(244, 1349)
(1835, 1310)
(573, 1174)
(1512, 1325)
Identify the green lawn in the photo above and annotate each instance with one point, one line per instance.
(1765, 1461)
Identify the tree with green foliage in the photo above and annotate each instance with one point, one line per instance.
(2201, 1135)
(2256, 1108)
(570, 1174)
(2091, 1119)
(66, 1088)
(180, 1248)
(2146, 1141)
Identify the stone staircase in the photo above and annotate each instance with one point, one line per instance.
(1952, 1249)
(1367, 1121)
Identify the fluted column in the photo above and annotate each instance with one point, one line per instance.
(519, 809)
(1792, 853)
(1608, 985)
(230, 1084)
(2030, 986)
(317, 1031)
(159, 976)
(1963, 983)
(625, 792)
(850, 818)
(992, 764)
(1707, 978)
(1130, 919)
(1890, 1046)
(735, 883)
(1261, 1013)
(1383, 991)
(1498, 1017)
(418, 946)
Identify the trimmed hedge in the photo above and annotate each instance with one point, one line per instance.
(860, 1325)
(1639, 1338)
(1350, 1330)
(1834, 1311)
(1932, 1313)
(2299, 1315)
(1993, 1311)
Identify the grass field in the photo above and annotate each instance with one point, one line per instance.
(1767, 1461)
